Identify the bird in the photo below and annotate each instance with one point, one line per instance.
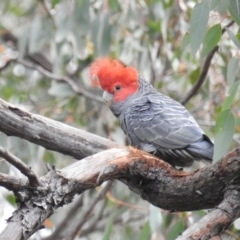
(152, 121)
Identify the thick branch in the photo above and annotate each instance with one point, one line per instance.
(153, 179)
(217, 220)
(50, 134)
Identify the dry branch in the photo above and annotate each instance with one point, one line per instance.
(216, 186)
(11, 183)
(151, 178)
(21, 166)
(50, 134)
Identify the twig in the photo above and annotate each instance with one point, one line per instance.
(70, 215)
(21, 166)
(11, 183)
(76, 228)
(227, 26)
(121, 203)
(65, 79)
(201, 78)
(101, 226)
(84, 219)
(204, 71)
(93, 225)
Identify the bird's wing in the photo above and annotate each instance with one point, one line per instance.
(159, 120)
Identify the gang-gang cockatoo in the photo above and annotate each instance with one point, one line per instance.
(153, 122)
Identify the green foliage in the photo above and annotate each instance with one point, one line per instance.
(234, 9)
(228, 101)
(211, 39)
(232, 70)
(11, 199)
(198, 25)
(166, 40)
(224, 131)
(175, 230)
(145, 232)
(233, 38)
(108, 229)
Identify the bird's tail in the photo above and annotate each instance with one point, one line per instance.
(203, 149)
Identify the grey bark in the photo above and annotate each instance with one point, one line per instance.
(50, 134)
(216, 186)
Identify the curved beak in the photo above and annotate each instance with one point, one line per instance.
(107, 97)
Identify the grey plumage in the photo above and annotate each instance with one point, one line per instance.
(157, 124)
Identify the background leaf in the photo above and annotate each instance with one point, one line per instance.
(228, 101)
(198, 25)
(211, 39)
(145, 232)
(155, 218)
(175, 230)
(233, 38)
(234, 9)
(224, 131)
(232, 68)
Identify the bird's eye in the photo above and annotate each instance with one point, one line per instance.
(117, 87)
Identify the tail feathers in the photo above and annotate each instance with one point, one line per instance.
(203, 149)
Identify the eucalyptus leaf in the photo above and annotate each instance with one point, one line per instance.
(234, 9)
(233, 38)
(145, 232)
(155, 218)
(186, 40)
(228, 101)
(175, 230)
(101, 35)
(108, 228)
(22, 43)
(224, 130)
(211, 39)
(198, 25)
(232, 70)
(35, 34)
(60, 90)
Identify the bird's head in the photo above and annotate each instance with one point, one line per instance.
(116, 80)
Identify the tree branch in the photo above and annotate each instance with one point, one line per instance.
(78, 226)
(217, 220)
(204, 71)
(77, 89)
(11, 183)
(37, 58)
(201, 78)
(21, 166)
(151, 178)
(50, 134)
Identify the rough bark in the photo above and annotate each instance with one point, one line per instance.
(50, 134)
(216, 186)
(151, 178)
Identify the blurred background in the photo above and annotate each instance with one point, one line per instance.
(45, 50)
